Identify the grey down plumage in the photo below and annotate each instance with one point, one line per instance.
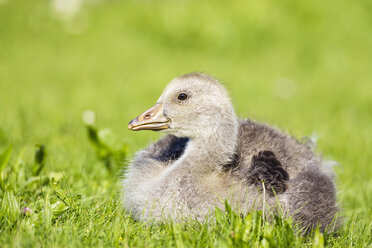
(209, 156)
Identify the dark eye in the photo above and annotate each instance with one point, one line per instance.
(182, 96)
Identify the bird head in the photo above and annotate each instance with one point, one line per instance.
(194, 105)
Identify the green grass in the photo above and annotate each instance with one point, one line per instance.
(304, 66)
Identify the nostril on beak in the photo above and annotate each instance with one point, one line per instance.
(147, 116)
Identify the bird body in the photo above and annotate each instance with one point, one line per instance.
(209, 156)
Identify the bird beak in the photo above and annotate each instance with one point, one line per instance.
(152, 119)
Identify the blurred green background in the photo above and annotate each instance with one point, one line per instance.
(304, 66)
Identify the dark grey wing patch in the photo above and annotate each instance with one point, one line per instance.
(174, 150)
(266, 168)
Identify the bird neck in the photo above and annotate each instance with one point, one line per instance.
(211, 152)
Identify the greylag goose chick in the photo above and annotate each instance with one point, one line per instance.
(209, 156)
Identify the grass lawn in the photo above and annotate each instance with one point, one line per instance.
(304, 66)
